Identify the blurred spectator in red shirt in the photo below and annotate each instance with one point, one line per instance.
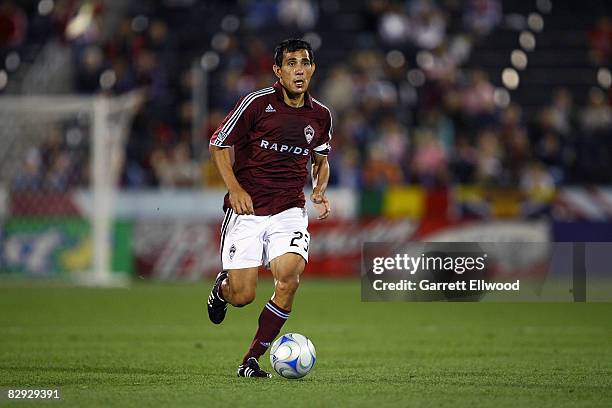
(13, 25)
(600, 41)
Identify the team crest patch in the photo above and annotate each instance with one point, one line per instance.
(232, 251)
(309, 133)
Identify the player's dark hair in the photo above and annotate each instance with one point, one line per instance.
(291, 45)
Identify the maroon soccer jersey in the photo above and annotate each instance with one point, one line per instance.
(272, 144)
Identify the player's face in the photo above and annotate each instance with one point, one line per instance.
(295, 72)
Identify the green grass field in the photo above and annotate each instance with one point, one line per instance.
(152, 345)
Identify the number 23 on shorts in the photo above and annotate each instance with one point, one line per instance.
(300, 239)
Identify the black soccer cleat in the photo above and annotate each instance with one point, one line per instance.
(217, 306)
(251, 369)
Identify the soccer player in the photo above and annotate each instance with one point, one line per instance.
(274, 132)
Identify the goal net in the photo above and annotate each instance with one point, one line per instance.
(60, 163)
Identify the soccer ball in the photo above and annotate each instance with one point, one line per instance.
(292, 355)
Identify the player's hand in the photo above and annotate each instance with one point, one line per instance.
(241, 202)
(321, 203)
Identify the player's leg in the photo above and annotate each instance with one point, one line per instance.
(241, 255)
(239, 288)
(236, 287)
(286, 270)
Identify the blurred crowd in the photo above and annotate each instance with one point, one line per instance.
(453, 129)
(406, 109)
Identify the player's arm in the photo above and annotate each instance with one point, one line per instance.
(232, 130)
(320, 178)
(239, 199)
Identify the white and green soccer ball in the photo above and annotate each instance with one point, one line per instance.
(292, 355)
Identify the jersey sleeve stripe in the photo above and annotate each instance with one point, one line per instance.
(243, 105)
(218, 143)
(229, 125)
(323, 147)
(331, 118)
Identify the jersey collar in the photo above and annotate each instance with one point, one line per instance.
(278, 89)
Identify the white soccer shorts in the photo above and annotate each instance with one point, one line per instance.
(252, 240)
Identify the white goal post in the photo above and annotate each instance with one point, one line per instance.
(72, 147)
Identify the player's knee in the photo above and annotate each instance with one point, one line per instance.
(242, 299)
(287, 285)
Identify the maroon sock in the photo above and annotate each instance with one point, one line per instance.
(271, 320)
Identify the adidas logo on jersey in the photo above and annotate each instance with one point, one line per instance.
(270, 108)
